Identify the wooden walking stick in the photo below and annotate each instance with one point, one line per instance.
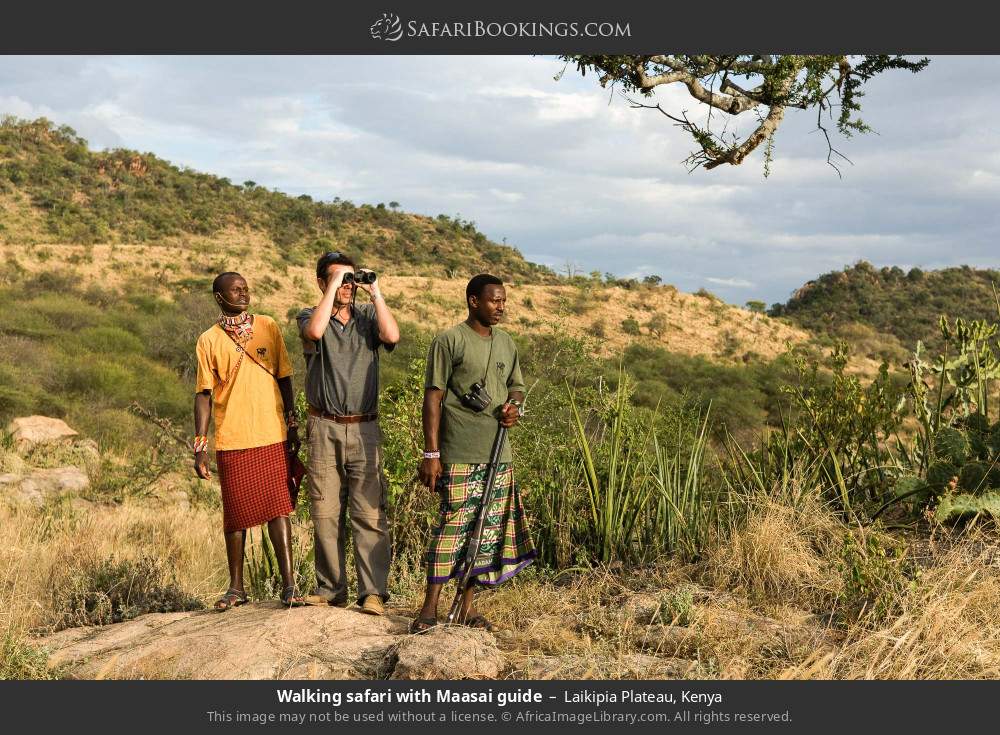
(455, 614)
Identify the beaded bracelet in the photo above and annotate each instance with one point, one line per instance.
(291, 420)
(200, 444)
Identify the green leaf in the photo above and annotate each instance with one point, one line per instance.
(961, 505)
(940, 473)
(910, 485)
(951, 445)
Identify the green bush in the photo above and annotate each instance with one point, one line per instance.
(675, 607)
(19, 659)
(877, 577)
(630, 326)
(108, 340)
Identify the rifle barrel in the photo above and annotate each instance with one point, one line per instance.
(476, 540)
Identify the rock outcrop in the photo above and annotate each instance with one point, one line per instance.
(40, 486)
(446, 652)
(30, 431)
(264, 640)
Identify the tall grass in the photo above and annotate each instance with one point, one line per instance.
(615, 469)
(261, 564)
(686, 506)
(646, 490)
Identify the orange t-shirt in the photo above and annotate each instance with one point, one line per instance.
(248, 408)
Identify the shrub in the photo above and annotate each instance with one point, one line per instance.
(21, 660)
(676, 607)
(113, 590)
(657, 324)
(877, 577)
(630, 326)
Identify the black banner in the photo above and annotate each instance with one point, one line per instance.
(452, 27)
(494, 706)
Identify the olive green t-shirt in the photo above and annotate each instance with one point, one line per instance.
(458, 358)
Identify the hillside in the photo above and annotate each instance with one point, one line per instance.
(121, 218)
(705, 501)
(906, 305)
(56, 190)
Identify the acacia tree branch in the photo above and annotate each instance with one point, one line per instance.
(711, 144)
(774, 84)
(766, 129)
(830, 150)
(734, 100)
(648, 82)
(714, 152)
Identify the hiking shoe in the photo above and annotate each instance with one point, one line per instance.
(372, 605)
(320, 601)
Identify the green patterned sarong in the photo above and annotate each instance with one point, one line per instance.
(506, 548)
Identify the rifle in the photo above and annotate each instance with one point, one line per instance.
(476, 540)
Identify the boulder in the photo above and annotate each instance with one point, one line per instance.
(30, 431)
(446, 652)
(43, 485)
(641, 607)
(264, 640)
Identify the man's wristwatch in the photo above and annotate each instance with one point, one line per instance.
(519, 405)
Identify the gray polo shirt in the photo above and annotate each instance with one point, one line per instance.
(342, 367)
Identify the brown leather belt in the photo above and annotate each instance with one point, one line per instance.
(352, 419)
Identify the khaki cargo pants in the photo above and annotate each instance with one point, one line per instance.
(345, 470)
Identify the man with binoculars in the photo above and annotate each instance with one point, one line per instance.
(473, 384)
(341, 342)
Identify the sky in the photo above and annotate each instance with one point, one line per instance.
(562, 169)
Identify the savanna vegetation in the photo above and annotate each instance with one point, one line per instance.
(87, 197)
(904, 305)
(722, 541)
(739, 518)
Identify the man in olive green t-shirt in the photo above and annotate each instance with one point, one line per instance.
(458, 439)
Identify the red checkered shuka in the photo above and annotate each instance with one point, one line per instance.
(254, 485)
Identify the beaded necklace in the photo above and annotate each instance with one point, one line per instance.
(240, 326)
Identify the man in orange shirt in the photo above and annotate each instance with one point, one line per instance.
(244, 373)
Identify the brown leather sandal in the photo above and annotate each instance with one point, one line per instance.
(232, 598)
(422, 625)
(478, 621)
(291, 598)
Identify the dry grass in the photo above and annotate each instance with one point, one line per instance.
(949, 627)
(45, 552)
(764, 605)
(689, 325)
(778, 554)
(761, 602)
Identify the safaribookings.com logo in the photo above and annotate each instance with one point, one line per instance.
(387, 28)
(390, 28)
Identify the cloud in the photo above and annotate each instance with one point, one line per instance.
(731, 282)
(565, 171)
(14, 105)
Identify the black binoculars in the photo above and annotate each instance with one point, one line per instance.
(363, 275)
(477, 399)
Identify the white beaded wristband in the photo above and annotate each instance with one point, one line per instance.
(432, 455)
